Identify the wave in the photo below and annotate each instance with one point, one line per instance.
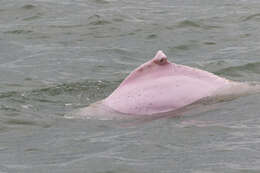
(250, 17)
(90, 89)
(195, 24)
(239, 71)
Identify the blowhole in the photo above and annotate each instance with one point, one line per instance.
(161, 61)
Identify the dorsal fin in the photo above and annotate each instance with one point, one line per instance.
(136, 72)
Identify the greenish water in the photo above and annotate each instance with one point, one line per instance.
(56, 56)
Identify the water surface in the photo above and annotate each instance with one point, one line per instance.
(59, 55)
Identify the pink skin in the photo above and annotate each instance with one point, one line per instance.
(159, 86)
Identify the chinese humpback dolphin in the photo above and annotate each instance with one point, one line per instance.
(159, 87)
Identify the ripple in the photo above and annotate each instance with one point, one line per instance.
(102, 2)
(236, 70)
(193, 24)
(188, 23)
(117, 50)
(20, 122)
(118, 19)
(212, 65)
(250, 17)
(8, 108)
(8, 94)
(29, 7)
(55, 95)
(210, 43)
(18, 31)
(248, 170)
(66, 26)
(151, 36)
(3, 129)
(71, 87)
(184, 47)
(98, 20)
(33, 17)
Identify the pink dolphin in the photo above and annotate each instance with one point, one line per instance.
(159, 86)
